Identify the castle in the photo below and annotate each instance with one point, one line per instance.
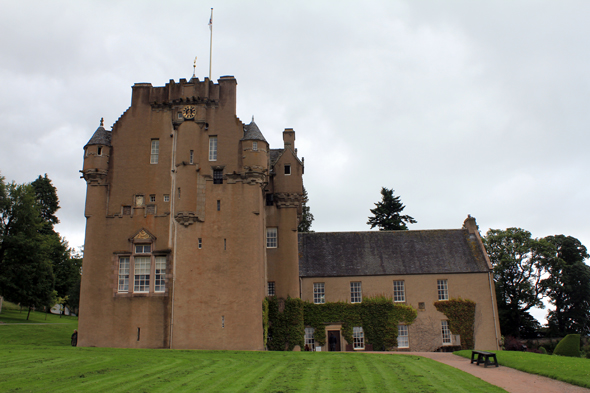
(192, 220)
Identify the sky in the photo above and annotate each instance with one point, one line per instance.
(461, 107)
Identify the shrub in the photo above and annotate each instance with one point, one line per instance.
(569, 346)
(513, 344)
(543, 350)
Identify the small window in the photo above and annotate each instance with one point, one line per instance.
(356, 292)
(166, 198)
(191, 159)
(155, 151)
(443, 290)
(160, 279)
(254, 145)
(143, 248)
(309, 338)
(142, 274)
(271, 238)
(200, 243)
(124, 274)
(318, 293)
(269, 199)
(152, 198)
(218, 205)
(224, 244)
(358, 337)
(287, 169)
(399, 294)
(421, 306)
(217, 176)
(99, 151)
(446, 333)
(270, 289)
(212, 148)
(402, 336)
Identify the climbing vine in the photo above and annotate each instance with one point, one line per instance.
(461, 315)
(265, 320)
(285, 324)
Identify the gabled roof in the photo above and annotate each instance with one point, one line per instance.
(100, 137)
(334, 254)
(252, 132)
(275, 154)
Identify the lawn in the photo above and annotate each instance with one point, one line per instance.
(567, 369)
(38, 358)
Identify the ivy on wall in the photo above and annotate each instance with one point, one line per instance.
(461, 315)
(378, 316)
(265, 320)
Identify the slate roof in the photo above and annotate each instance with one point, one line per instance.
(100, 137)
(252, 132)
(275, 154)
(336, 254)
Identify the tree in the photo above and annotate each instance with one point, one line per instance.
(306, 216)
(519, 263)
(387, 215)
(47, 200)
(568, 287)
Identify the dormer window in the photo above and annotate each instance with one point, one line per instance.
(287, 169)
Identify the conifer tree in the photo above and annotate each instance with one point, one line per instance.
(387, 214)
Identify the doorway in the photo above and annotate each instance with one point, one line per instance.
(334, 340)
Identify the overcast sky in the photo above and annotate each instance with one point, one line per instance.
(461, 107)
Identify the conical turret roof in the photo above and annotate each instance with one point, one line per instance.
(100, 137)
(252, 132)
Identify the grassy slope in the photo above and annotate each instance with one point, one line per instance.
(567, 369)
(38, 358)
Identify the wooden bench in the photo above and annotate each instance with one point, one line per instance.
(484, 357)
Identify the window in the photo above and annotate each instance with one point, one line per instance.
(270, 289)
(126, 210)
(255, 146)
(212, 148)
(271, 238)
(402, 336)
(179, 115)
(200, 243)
(269, 200)
(99, 151)
(287, 169)
(152, 198)
(143, 248)
(443, 290)
(446, 333)
(356, 292)
(155, 151)
(160, 278)
(217, 176)
(191, 159)
(309, 339)
(142, 274)
(166, 198)
(151, 209)
(318, 293)
(218, 205)
(421, 306)
(399, 293)
(358, 338)
(124, 274)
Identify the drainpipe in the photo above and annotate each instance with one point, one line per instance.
(173, 227)
(493, 309)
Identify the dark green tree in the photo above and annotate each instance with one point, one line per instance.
(568, 287)
(306, 216)
(47, 199)
(387, 215)
(519, 263)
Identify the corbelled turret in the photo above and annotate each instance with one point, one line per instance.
(96, 156)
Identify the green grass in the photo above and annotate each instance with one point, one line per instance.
(567, 369)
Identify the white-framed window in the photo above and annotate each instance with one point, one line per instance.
(155, 151)
(270, 288)
(443, 289)
(191, 159)
(160, 275)
(142, 274)
(212, 148)
(143, 248)
(254, 145)
(152, 198)
(319, 296)
(166, 198)
(399, 291)
(446, 333)
(123, 274)
(358, 338)
(356, 292)
(287, 169)
(271, 238)
(403, 340)
(309, 339)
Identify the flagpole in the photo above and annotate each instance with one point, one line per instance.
(210, 42)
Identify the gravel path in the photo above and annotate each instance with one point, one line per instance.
(507, 378)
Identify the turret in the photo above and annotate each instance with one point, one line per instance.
(96, 156)
(254, 153)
